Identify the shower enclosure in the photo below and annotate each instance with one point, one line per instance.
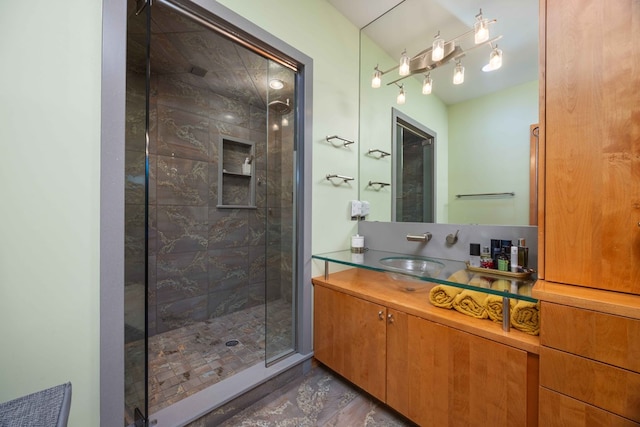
(210, 209)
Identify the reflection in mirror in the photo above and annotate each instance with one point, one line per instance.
(413, 170)
(483, 125)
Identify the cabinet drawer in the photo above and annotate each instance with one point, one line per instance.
(605, 386)
(604, 337)
(558, 410)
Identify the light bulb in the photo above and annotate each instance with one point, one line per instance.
(495, 58)
(285, 122)
(401, 97)
(275, 127)
(437, 49)
(458, 74)
(480, 29)
(427, 84)
(377, 79)
(403, 70)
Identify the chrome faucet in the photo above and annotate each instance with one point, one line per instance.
(424, 238)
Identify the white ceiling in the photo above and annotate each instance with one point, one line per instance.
(411, 24)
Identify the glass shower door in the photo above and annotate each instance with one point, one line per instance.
(280, 216)
(135, 285)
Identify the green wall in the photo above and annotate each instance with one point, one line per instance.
(489, 152)
(50, 176)
(50, 192)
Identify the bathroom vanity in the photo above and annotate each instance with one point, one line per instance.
(435, 366)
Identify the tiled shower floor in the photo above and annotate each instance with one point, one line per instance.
(187, 360)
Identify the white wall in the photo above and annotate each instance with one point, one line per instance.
(489, 153)
(49, 192)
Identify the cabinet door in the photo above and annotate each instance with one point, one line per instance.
(439, 376)
(350, 338)
(418, 369)
(592, 144)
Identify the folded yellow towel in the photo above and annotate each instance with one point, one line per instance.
(442, 295)
(480, 281)
(471, 303)
(525, 317)
(494, 307)
(501, 285)
(460, 276)
(525, 289)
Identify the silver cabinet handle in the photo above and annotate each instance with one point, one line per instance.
(381, 315)
(390, 318)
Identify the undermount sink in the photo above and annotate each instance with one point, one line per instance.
(411, 269)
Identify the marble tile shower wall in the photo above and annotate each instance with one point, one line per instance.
(204, 262)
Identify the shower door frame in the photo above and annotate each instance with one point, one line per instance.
(112, 218)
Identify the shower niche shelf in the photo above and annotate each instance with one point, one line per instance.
(236, 185)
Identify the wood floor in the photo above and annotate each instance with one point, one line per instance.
(320, 398)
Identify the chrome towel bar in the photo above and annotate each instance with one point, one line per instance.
(381, 184)
(512, 193)
(345, 141)
(342, 177)
(382, 153)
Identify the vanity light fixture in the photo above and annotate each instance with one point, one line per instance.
(440, 53)
(458, 74)
(437, 48)
(480, 29)
(377, 78)
(495, 60)
(404, 67)
(401, 99)
(427, 84)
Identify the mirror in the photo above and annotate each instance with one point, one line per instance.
(483, 154)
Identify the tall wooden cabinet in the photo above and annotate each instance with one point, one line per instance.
(590, 232)
(589, 213)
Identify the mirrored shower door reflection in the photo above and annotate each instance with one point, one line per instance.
(221, 211)
(413, 170)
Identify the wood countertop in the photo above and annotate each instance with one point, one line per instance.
(376, 287)
(609, 302)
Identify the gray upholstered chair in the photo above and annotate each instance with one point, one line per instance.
(45, 408)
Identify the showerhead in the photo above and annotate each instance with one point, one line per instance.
(280, 107)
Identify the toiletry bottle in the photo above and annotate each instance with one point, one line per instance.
(474, 254)
(513, 258)
(485, 258)
(503, 260)
(495, 251)
(357, 244)
(523, 253)
(246, 167)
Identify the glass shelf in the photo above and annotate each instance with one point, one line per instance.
(490, 282)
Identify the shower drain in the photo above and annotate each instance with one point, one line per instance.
(232, 343)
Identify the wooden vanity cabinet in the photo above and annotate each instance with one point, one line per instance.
(433, 374)
(350, 338)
